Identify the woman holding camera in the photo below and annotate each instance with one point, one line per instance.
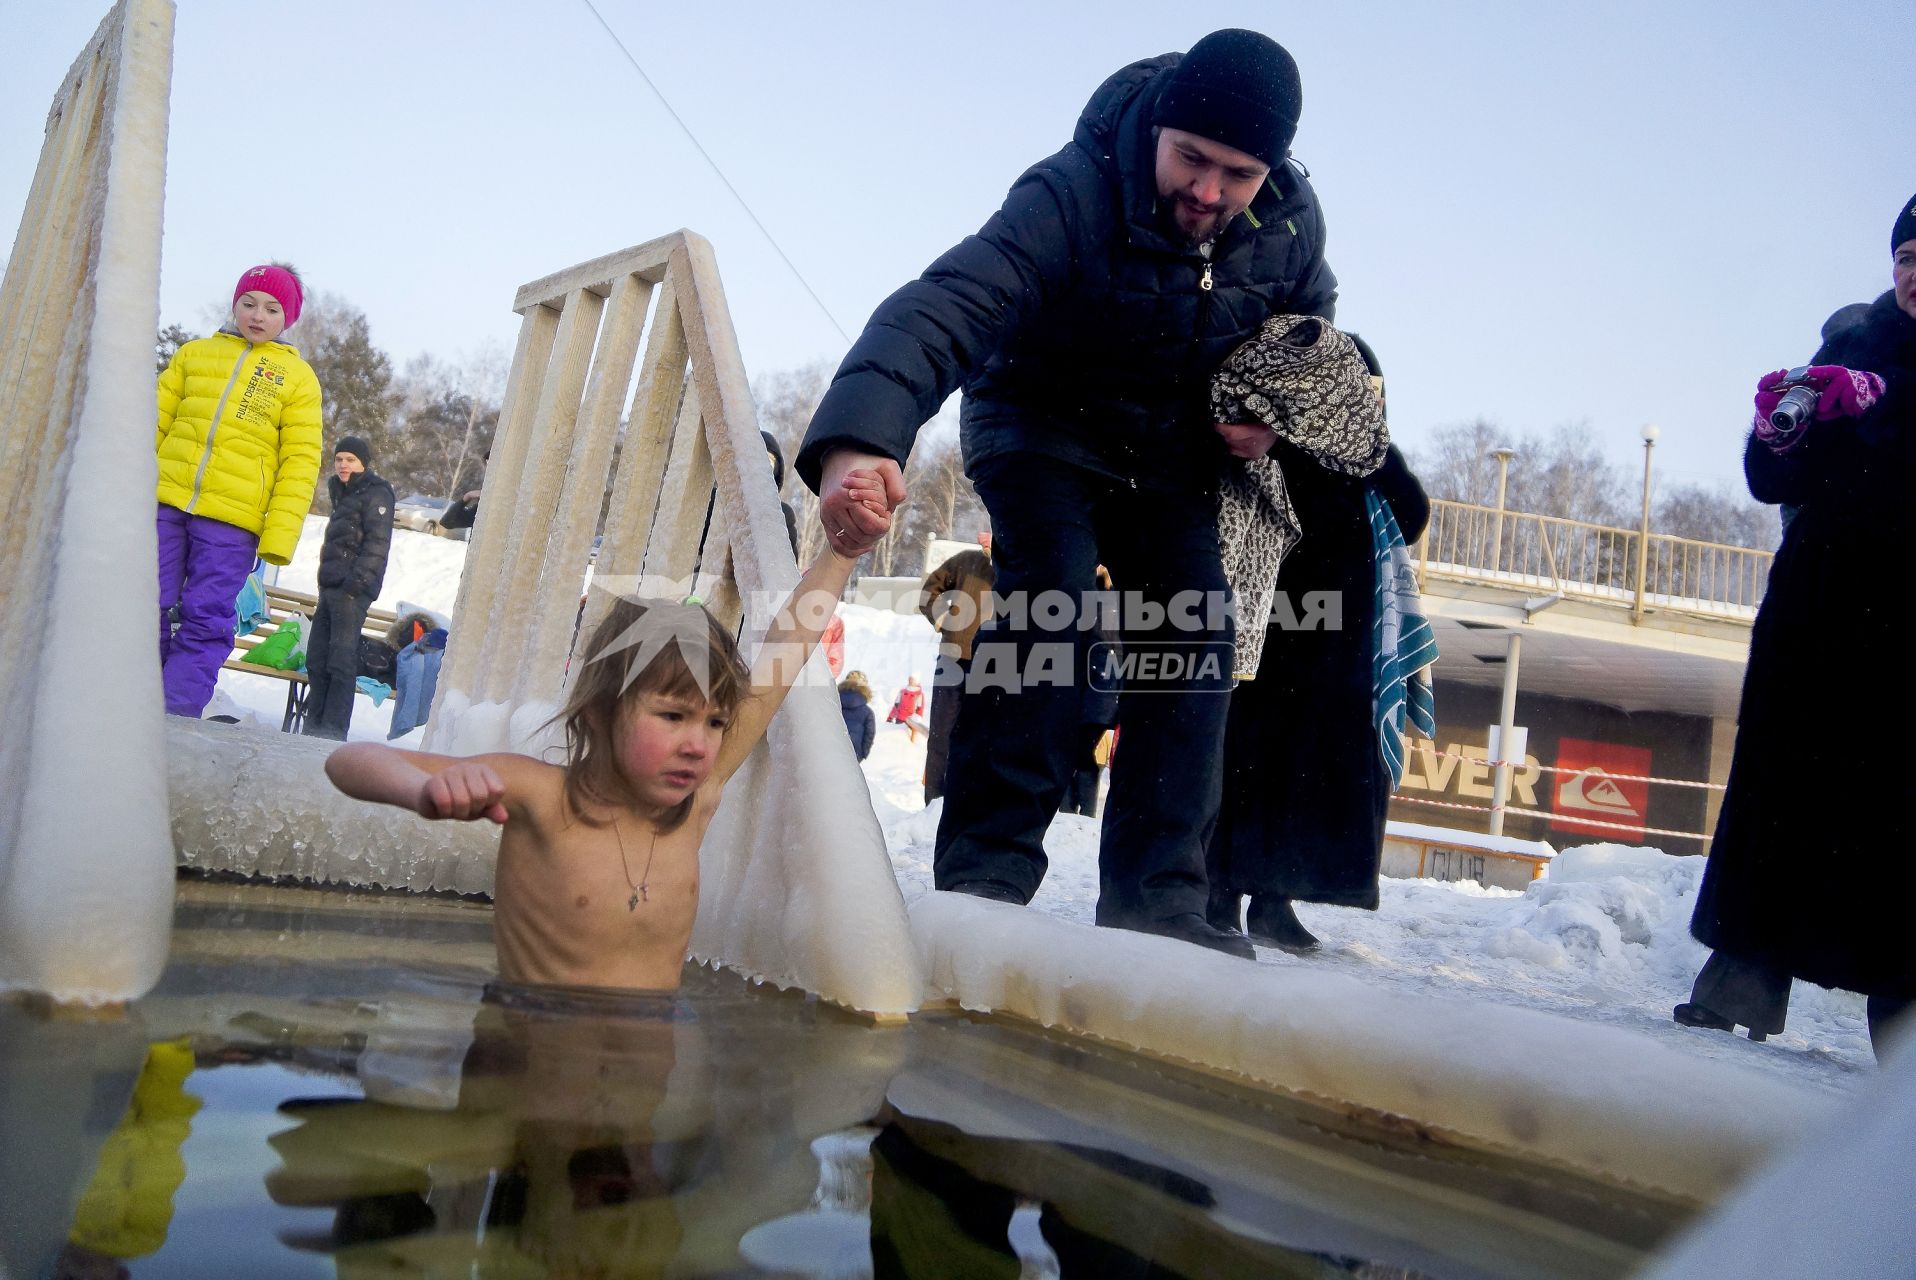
(1792, 887)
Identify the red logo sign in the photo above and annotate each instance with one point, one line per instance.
(1593, 790)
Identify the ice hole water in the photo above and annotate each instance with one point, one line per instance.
(327, 1083)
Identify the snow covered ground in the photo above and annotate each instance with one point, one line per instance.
(1602, 938)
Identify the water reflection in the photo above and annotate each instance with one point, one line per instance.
(593, 1134)
(127, 1205)
(416, 1121)
(948, 1203)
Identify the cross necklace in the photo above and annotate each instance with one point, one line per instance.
(638, 890)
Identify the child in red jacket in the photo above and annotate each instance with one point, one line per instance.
(909, 708)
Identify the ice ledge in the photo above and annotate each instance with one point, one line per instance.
(1600, 1100)
(257, 802)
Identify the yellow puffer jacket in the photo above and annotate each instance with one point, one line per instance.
(256, 467)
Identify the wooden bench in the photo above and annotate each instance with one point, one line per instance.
(281, 604)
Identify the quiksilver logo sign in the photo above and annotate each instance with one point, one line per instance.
(1594, 792)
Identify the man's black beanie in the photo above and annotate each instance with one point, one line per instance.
(1239, 88)
(357, 446)
(1905, 228)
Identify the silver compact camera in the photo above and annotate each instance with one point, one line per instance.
(1798, 405)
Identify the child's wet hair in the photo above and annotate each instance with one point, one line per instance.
(603, 680)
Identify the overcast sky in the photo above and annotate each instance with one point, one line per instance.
(1611, 213)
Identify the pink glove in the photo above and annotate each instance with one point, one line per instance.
(1841, 393)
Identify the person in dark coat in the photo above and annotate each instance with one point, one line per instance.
(855, 704)
(776, 456)
(352, 567)
(464, 512)
(1796, 885)
(1305, 785)
(956, 599)
(1084, 323)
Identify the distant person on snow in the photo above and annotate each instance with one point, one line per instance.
(598, 862)
(462, 513)
(1796, 885)
(908, 708)
(352, 567)
(855, 704)
(239, 446)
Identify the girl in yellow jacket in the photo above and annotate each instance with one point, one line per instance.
(239, 449)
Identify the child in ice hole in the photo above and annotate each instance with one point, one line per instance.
(598, 872)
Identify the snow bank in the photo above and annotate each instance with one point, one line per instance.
(1592, 1098)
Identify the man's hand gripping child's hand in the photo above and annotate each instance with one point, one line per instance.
(865, 489)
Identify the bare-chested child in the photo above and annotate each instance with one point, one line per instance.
(598, 873)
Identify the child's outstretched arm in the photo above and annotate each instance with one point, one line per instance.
(432, 786)
(794, 633)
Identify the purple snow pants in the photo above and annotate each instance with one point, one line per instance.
(203, 565)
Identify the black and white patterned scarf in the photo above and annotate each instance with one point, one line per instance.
(1306, 381)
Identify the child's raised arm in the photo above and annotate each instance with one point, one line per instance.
(775, 668)
(432, 786)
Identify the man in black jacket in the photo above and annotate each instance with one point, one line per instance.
(352, 566)
(1084, 323)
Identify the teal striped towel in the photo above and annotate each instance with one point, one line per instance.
(1402, 644)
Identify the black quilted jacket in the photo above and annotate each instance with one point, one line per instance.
(1075, 324)
(360, 532)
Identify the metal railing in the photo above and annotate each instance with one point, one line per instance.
(1584, 561)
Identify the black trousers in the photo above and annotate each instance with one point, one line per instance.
(332, 662)
(1757, 996)
(1019, 740)
(1081, 794)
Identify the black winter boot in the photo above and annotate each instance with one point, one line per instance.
(1273, 923)
(1190, 927)
(1225, 910)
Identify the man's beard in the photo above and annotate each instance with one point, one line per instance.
(1208, 227)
